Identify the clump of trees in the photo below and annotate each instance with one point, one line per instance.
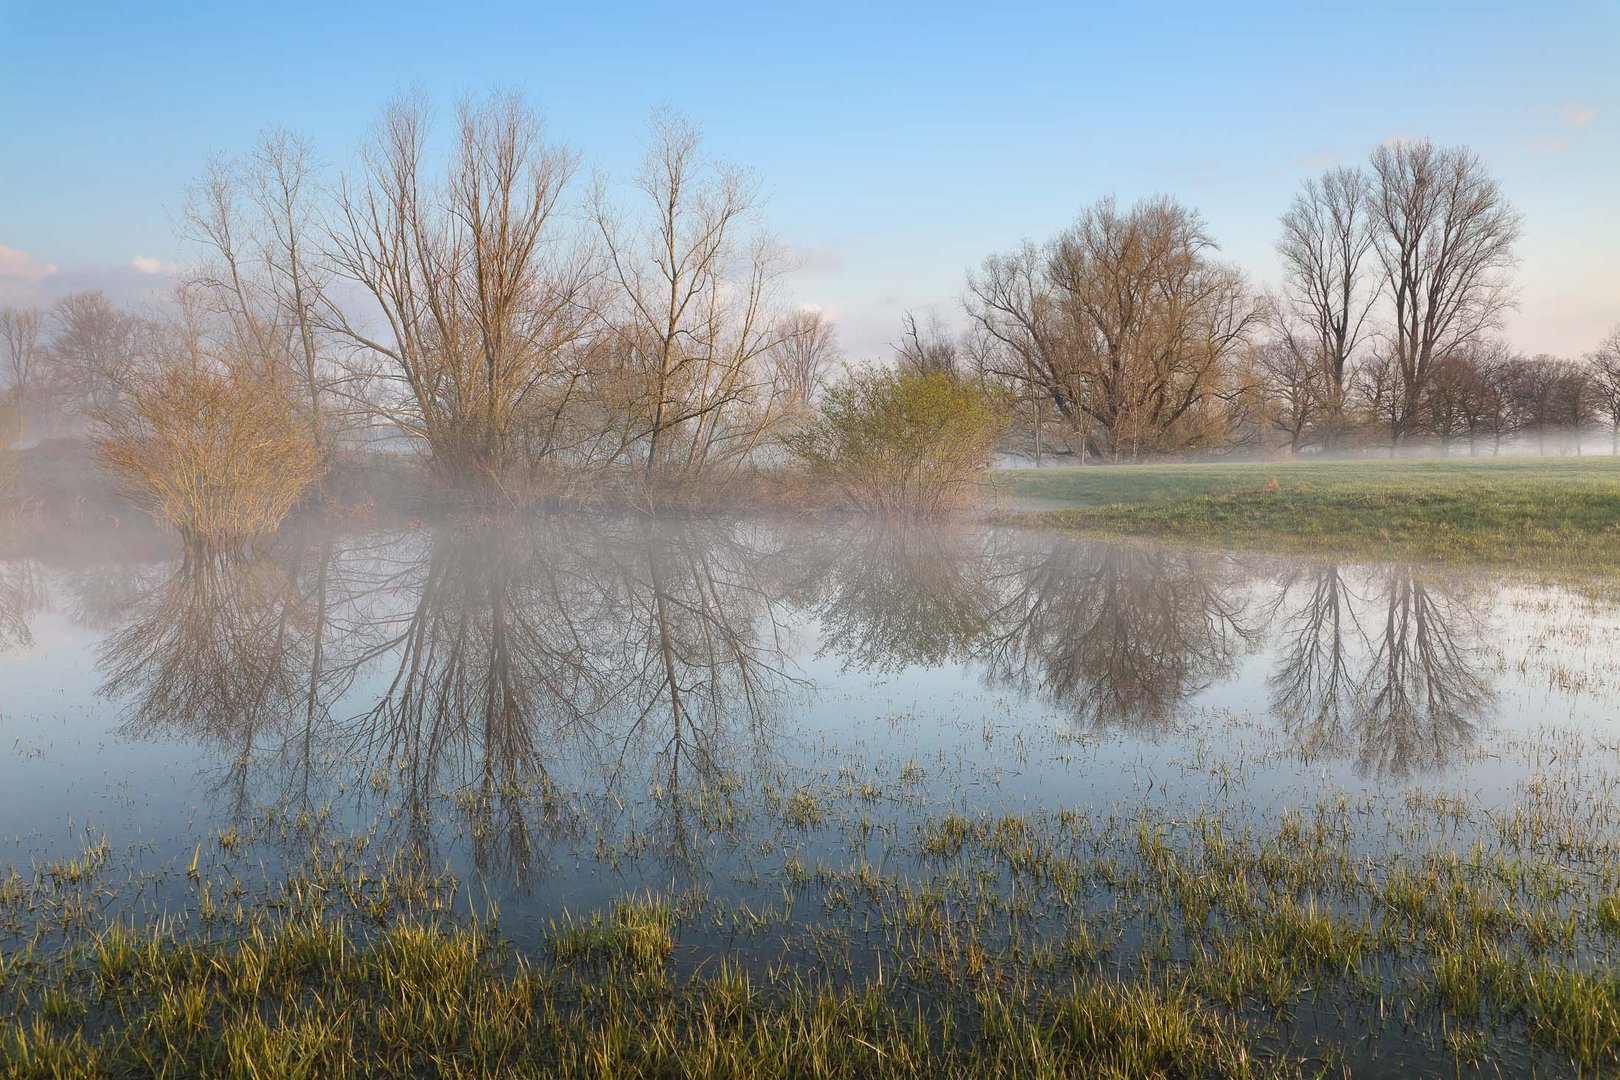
(900, 443)
(1124, 336)
(218, 456)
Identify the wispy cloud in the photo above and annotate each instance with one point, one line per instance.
(815, 260)
(1320, 160)
(1548, 146)
(1578, 116)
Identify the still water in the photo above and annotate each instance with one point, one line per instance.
(557, 712)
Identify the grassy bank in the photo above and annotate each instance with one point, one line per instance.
(1560, 515)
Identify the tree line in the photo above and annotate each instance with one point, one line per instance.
(1126, 336)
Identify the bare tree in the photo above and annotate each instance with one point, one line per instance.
(1444, 235)
(1604, 363)
(283, 177)
(481, 302)
(927, 348)
(94, 351)
(1285, 391)
(20, 347)
(691, 323)
(1322, 313)
(804, 355)
(1125, 320)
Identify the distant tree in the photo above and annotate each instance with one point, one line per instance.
(1286, 389)
(21, 347)
(1604, 364)
(1452, 384)
(804, 355)
(95, 350)
(1321, 315)
(1483, 403)
(1444, 235)
(926, 348)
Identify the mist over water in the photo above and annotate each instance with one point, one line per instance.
(438, 682)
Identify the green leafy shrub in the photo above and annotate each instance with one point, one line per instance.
(900, 443)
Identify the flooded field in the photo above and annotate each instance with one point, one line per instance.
(1331, 816)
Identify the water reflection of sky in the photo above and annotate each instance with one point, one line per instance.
(502, 697)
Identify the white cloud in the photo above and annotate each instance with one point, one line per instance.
(19, 265)
(1578, 116)
(31, 282)
(1548, 146)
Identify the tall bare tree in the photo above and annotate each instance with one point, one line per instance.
(1125, 321)
(691, 319)
(1444, 235)
(283, 177)
(481, 300)
(1322, 312)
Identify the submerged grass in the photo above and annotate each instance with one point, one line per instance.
(1559, 515)
(298, 999)
(879, 927)
(1033, 943)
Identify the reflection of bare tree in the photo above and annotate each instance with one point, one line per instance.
(706, 662)
(889, 597)
(1121, 634)
(501, 654)
(1314, 682)
(23, 596)
(217, 652)
(1422, 694)
(1395, 685)
(488, 666)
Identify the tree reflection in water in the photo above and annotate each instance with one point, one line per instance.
(1423, 691)
(492, 666)
(1390, 678)
(1120, 635)
(466, 662)
(23, 597)
(889, 597)
(216, 652)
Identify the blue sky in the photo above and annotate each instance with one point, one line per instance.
(898, 143)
